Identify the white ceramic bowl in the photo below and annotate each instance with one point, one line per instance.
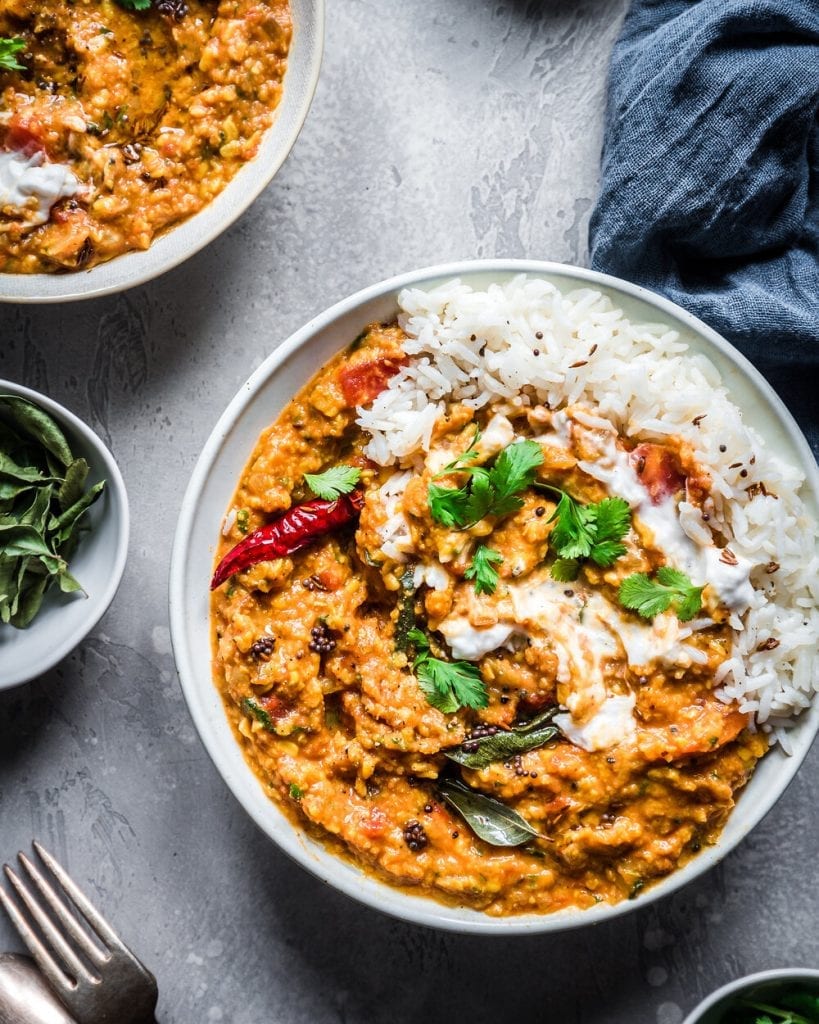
(711, 1009)
(65, 619)
(211, 488)
(176, 245)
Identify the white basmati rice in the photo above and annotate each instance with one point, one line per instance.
(525, 343)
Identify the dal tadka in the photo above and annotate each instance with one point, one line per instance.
(643, 762)
(118, 123)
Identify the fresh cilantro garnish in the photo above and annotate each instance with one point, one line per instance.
(574, 530)
(612, 517)
(8, 49)
(333, 482)
(447, 505)
(487, 492)
(671, 589)
(786, 1005)
(296, 792)
(447, 685)
(565, 570)
(135, 5)
(586, 531)
(482, 570)
(469, 455)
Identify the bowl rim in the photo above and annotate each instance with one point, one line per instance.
(180, 241)
(748, 981)
(397, 902)
(113, 476)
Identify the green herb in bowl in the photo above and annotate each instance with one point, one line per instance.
(788, 1004)
(43, 498)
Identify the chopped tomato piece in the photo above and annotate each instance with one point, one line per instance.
(375, 823)
(25, 135)
(362, 382)
(275, 707)
(658, 470)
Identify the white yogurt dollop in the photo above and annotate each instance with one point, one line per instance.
(23, 178)
(729, 574)
(611, 725)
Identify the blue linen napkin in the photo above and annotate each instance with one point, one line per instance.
(710, 175)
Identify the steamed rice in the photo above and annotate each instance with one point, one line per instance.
(525, 343)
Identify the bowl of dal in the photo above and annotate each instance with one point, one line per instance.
(501, 353)
(144, 134)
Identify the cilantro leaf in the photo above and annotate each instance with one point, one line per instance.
(8, 49)
(488, 492)
(565, 570)
(482, 570)
(688, 598)
(479, 501)
(671, 589)
(419, 640)
(613, 519)
(457, 466)
(513, 472)
(574, 530)
(447, 685)
(333, 482)
(607, 553)
(135, 5)
(588, 531)
(447, 505)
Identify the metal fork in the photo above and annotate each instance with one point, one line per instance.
(100, 981)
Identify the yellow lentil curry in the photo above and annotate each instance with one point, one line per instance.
(118, 122)
(324, 691)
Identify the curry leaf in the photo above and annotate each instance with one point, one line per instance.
(22, 540)
(31, 599)
(25, 474)
(488, 818)
(42, 500)
(62, 526)
(405, 622)
(72, 487)
(485, 750)
(38, 424)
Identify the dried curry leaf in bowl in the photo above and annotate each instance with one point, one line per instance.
(43, 500)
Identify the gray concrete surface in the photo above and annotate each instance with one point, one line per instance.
(441, 129)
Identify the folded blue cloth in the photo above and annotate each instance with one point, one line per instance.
(710, 174)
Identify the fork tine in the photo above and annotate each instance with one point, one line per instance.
(84, 905)
(43, 958)
(50, 932)
(67, 919)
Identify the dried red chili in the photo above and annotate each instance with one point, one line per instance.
(292, 531)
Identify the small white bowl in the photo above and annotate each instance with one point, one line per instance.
(65, 619)
(710, 1009)
(178, 243)
(214, 481)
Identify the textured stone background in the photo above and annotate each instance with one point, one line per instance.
(441, 129)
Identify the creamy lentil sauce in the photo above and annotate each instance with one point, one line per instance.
(350, 747)
(125, 122)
